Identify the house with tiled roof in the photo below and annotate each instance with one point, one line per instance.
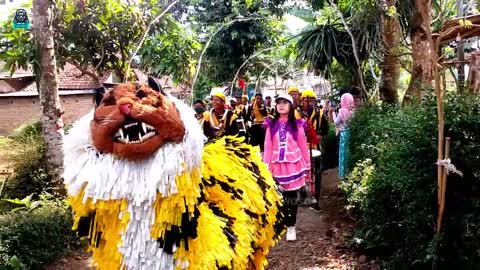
(19, 101)
(181, 91)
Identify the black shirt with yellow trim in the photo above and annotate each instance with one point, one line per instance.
(213, 123)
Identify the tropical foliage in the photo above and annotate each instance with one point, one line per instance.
(171, 52)
(392, 185)
(32, 237)
(329, 41)
(245, 27)
(97, 36)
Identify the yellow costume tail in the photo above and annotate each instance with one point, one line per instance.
(225, 215)
(239, 189)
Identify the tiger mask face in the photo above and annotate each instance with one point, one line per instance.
(133, 121)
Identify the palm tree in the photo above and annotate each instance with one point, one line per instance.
(323, 44)
(318, 47)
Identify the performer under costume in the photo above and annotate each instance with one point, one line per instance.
(258, 113)
(150, 195)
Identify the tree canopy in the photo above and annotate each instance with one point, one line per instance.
(97, 36)
(248, 26)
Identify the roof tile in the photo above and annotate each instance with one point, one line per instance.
(70, 79)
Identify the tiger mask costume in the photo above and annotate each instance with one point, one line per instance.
(149, 194)
(128, 120)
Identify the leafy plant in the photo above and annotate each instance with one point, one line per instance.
(392, 185)
(202, 87)
(170, 52)
(247, 26)
(329, 149)
(29, 164)
(35, 238)
(15, 263)
(95, 36)
(17, 48)
(318, 47)
(25, 204)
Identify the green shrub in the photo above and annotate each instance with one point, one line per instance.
(392, 186)
(25, 133)
(36, 237)
(29, 164)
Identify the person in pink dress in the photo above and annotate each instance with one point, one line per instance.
(286, 154)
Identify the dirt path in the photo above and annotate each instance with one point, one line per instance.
(80, 261)
(320, 239)
(320, 236)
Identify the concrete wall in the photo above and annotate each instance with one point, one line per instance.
(15, 111)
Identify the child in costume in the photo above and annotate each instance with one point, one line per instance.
(150, 195)
(347, 104)
(287, 157)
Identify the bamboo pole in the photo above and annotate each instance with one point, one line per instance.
(257, 84)
(440, 168)
(440, 116)
(443, 187)
(3, 183)
(460, 53)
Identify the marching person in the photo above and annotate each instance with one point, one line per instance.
(237, 109)
(295, 93)
(201, 115)
(317, 127)
(244, 100)
(270, 108)
(258, 113)
(222, 121)
(287, 157)
(245, 116)
(233, 105)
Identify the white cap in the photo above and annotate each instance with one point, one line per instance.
(284, 96)
(233, 99)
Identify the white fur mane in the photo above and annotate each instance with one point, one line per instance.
(109, 177)
(106, 177)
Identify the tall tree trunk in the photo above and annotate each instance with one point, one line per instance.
(391, 63)
(423, 51)
(52, 124)
(474, 74)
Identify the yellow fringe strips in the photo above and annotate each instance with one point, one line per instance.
(239, 200)
(106, 255)
(169, 210)
(225, 173)
(211, 245)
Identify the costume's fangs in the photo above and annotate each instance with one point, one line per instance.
(136, 132)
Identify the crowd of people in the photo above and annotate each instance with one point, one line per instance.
(288, 132)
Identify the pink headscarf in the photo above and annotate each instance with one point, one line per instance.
(346, 107)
